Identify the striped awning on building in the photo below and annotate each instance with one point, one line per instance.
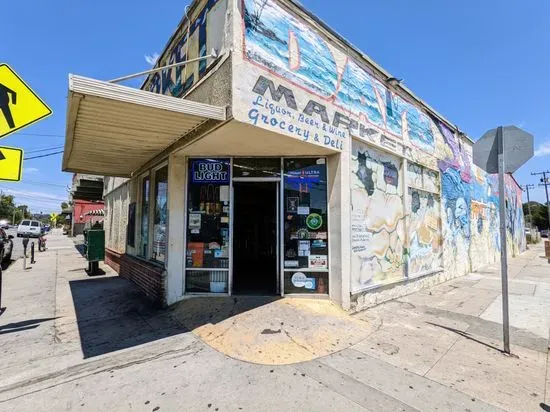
(97, 212)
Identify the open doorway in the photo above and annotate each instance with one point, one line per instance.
(255, 238)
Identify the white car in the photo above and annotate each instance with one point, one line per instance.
(30, 228)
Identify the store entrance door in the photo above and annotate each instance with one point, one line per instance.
(255, 238)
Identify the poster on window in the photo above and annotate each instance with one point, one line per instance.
(161, 215)
(318, 262)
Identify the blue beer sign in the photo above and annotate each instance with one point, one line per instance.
(212, 171)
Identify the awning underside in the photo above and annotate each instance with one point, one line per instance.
(114, 130)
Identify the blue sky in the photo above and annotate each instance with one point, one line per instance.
(480, 64)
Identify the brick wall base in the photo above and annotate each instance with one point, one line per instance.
(148, 277)
(112, 259)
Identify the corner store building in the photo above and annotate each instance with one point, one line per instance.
(286, 163)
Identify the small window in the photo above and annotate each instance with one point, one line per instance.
(144, 244)
(35, 224)
(161, 215)
(25, 223)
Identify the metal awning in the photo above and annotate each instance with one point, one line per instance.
(97, 212)
(113, 130)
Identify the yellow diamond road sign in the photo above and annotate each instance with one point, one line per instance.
(11, 164)
(19, 105)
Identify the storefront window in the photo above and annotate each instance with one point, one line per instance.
(161, 215)
(208, 238)
(144, 216)
(305, 226)
(257, 167)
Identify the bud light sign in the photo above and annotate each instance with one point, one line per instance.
(211, 171)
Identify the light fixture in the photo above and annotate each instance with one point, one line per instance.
(393, 81)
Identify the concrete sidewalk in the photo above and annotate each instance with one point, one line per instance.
(452, 334)
(71, 342)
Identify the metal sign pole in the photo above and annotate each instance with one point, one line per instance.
(503, 150)
(503, 245)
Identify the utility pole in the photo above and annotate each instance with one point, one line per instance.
(526, 189)
(545, 181)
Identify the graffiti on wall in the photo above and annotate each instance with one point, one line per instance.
(424, 232)
(424, 224)
(377, 218)
(296, 83)
(515, 220)
(485, 239)
(205, 32)
(341, 93)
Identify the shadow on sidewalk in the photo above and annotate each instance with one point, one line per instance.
(113, 314)
(466, 335)
(81, 248)
(23, 325)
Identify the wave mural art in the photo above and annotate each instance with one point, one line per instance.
(331, 89)
(439, 214)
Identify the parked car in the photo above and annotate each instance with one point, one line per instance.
(544, 233)
(6, 246)
(4, 224)
(30, 228)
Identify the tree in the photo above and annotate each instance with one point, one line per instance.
(64, 205)
(539, 213)
(7, 206)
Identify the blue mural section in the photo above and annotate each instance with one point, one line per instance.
(470, 198)
(269, 33)
(176, 81)
(289, 48)
(456, 200)
(358, 95)
(306, 87)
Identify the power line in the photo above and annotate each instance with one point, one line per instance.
(31, 182)
(46, 155)
(39, 134)
(37, 199)
(44, 149)
(37, 196)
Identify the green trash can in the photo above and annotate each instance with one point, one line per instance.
(95, 249)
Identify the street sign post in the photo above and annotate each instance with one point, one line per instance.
(503, 150)
(11, 164)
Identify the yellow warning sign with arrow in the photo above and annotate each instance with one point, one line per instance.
(11, 164)
(19, 105)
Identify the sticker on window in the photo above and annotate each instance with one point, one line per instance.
(318, 262)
